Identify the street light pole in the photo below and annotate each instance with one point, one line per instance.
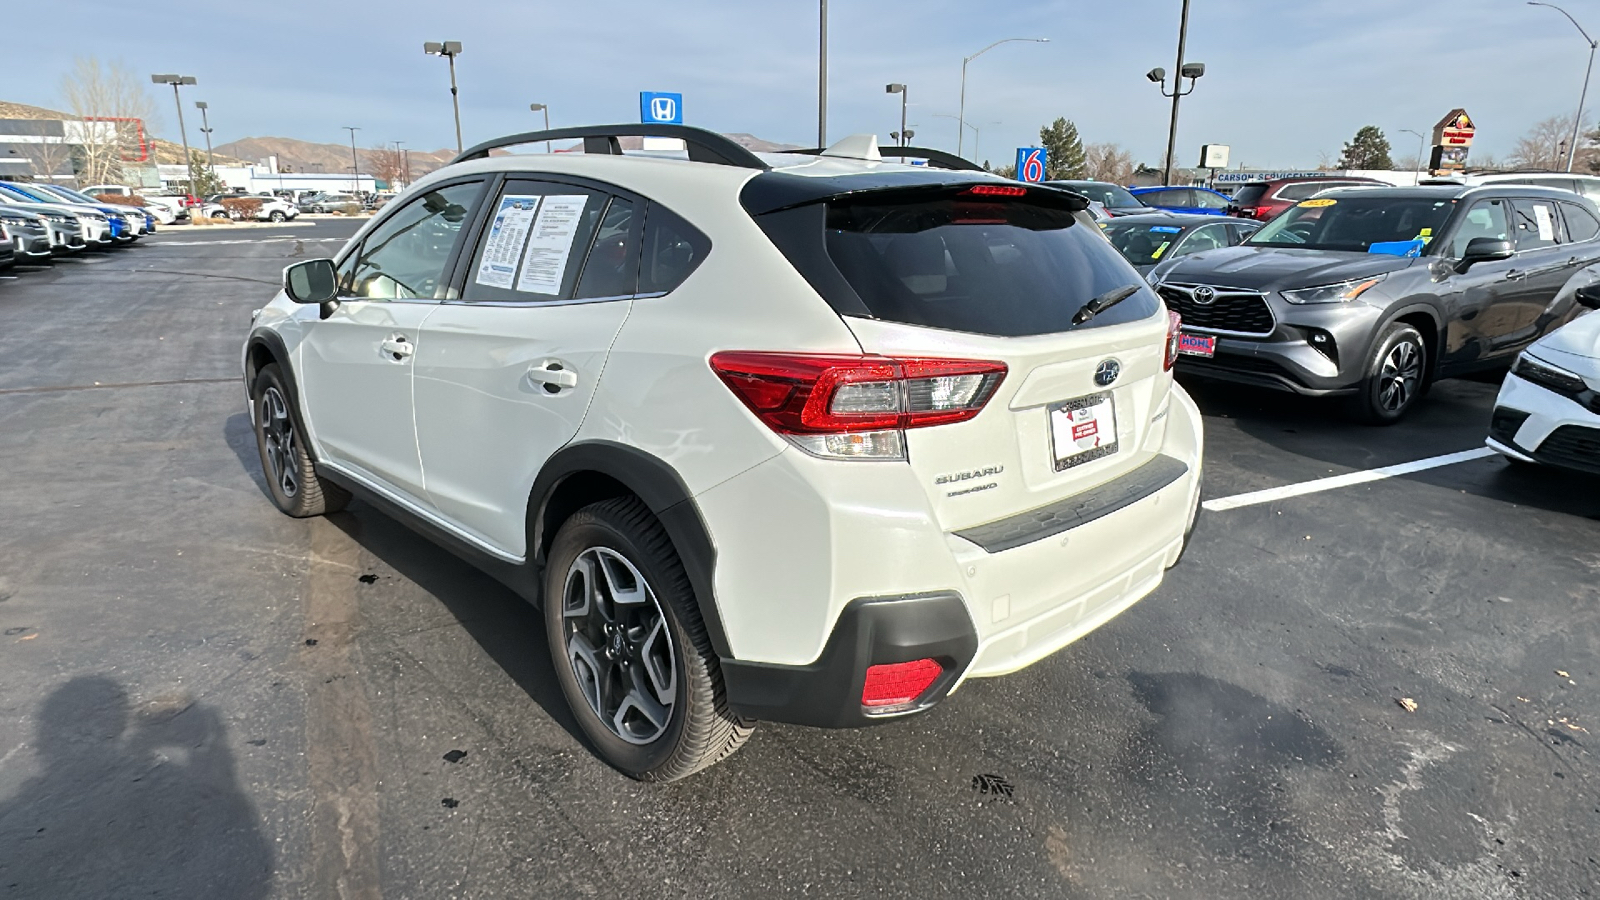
(449, 50)
(822, 79)
(901, 90)
(177, 81)
(405, 162)
(1172, 129)
(961, 117)
(355, 167)
(1577, 120)
(1422, 143)
(205, 128)
(540, 107)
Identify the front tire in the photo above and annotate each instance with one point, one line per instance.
(629, 648)
(292, 480)
(276, 216)
(1396, 376)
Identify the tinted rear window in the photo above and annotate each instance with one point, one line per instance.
(997, 266)
(1249, 194)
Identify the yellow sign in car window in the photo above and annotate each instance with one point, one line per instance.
(1318, 202)
(1160, 250)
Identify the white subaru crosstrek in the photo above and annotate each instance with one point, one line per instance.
(809, 437)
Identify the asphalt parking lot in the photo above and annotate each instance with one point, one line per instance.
(200, 697)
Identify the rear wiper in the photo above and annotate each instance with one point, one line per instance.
(1103, 302)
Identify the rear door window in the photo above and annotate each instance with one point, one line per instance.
(1581, 224)
(1536, 224)
(987, 265)
(534, 243)
(612, 269)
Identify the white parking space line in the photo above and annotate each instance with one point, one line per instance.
(1338, 481)
(247, 241)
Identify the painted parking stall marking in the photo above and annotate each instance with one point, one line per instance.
(1339, 481)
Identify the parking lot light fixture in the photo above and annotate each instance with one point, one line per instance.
(205, 129)
(178, 81)
(355, 166)
(1583, 97)
(449, 50)
(1422, 145)
(540, 107)
(901, 90)
(961, 113)
(1191, 71)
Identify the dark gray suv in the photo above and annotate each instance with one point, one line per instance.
(1374, 293)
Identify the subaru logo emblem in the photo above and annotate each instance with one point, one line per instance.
(1205, 296)
(663, 109)
(1107, 372)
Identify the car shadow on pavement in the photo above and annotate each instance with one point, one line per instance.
(130, 802)
(506, 626)
(1454, 417)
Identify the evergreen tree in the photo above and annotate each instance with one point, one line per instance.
(1064, 157)
(204, 184)
(1369, 149)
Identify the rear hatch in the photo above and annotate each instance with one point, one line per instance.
(978, 274)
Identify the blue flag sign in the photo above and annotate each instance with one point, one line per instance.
(660, 109)
(1030, 164)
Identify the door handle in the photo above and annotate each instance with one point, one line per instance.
(398, 348)
(553, 376)
(1516, 275)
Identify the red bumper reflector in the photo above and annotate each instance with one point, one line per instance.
(896, 684)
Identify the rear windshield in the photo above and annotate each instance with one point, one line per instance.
(1248, 194)
(998, 266)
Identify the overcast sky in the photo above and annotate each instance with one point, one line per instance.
(1285, 81)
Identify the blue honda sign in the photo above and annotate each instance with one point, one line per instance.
(660, 109)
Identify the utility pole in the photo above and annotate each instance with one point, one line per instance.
(449, 50)
(961, 112)
(1172, 130)
(405, 162)
(355, 166)
(822, 80)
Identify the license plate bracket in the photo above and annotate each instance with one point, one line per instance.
(1083, 430)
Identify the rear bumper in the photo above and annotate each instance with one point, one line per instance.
(826, 568)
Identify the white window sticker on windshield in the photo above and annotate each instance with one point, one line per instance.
(544, 263)
(1547, 228)
(506, 237)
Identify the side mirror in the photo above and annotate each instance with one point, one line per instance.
(1588, 295)
(1483, 249)
(313, 281)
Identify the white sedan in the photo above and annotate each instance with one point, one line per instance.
(1548, 410)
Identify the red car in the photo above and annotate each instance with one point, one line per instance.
(1264, 200)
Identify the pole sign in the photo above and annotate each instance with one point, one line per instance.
(1452, 138)
(660, 109)
(1030, 164)
(1214, 156)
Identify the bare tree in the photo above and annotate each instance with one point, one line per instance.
(1108, 162)
(1545, 145)
(111, 105)
(49, 156)
(386, 164)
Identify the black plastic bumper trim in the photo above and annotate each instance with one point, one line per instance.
(870, 631)
(1080, 509)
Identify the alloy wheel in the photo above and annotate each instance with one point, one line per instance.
(1399, 376)
(619, 645)
(281, 443)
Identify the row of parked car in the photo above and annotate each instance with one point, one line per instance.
(1370, 292)
(40, 222)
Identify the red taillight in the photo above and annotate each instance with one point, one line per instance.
(1259, 212)
(996, 190)
(802, 394)
(1174, 337)
(897, 684)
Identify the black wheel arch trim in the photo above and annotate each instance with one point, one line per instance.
(1412, 308)
(656, 483)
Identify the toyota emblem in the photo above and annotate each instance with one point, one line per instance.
(1205, 296)
(1107, 372)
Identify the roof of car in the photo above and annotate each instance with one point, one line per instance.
(1455, 191)
(1184, 220)
(1173, 187)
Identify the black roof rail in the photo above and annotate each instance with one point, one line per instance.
(935, 157)
(704, 146)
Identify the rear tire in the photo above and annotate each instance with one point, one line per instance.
(1396, 376)
(292, 480)
(276, 216)
(629, 648)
